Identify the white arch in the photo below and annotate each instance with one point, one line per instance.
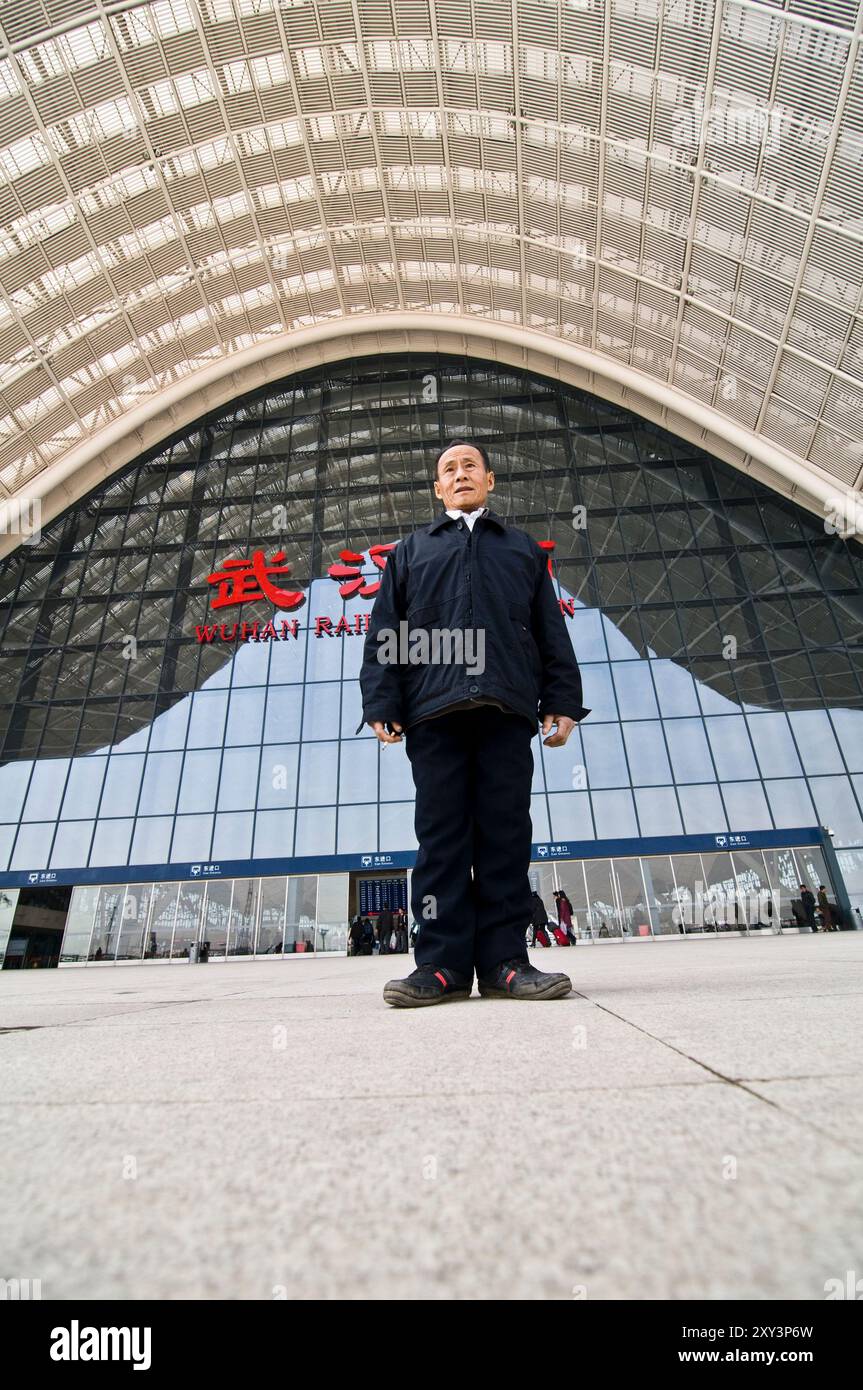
(63, 483)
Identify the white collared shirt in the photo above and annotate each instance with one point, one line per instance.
(470, 517)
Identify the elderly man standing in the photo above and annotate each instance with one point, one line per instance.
(468, 712)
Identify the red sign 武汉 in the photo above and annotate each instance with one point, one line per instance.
(244, 581)
(251, 580)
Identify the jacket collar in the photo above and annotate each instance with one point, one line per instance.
(443, 518)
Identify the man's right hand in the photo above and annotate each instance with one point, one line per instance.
(380, 729)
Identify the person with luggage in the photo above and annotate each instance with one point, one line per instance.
(564, 915)
(828, 920)
(367, 938)
(539, 922)
(807, 898)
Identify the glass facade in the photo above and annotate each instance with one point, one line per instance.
(180, 653)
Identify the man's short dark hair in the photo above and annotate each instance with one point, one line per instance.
(467, 443)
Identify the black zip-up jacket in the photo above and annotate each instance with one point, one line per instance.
(493, 578)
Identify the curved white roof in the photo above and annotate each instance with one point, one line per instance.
(661, 200)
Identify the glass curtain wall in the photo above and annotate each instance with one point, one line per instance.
(719, 629)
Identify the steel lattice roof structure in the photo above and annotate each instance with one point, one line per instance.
(657, 200)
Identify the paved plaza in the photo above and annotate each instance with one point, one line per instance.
(687, 1124)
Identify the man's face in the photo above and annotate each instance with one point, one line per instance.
(462, 481)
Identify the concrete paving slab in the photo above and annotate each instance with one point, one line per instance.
(256, 1129)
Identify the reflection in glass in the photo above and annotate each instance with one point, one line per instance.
(301, 913)
(133, 923)
(244, 917)
(217, 917)
(272, 921)
(629, 885)
(106, 927)
(603, 916)
(662, 896)
(160, 933)
(189, 904)
(720, 903)
(332, 912)
(79, 924)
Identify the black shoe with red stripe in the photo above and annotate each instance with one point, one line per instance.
(428, 984)
(518, 979)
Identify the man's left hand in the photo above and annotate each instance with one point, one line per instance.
(565, 726)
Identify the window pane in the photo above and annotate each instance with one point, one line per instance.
(645, 749)
(774, 746)
(688, 750)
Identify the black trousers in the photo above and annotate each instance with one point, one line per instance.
(472, 770)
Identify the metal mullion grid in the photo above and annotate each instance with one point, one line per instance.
(775, 884)
(802, 651)
(230, 924)
(661, 718)
(259, 902)
(648, 509)
(825, 593)
(70, 529)
(120, 889)
(317, 901)
(593, 589)
(150, 888)
(742, 264)
(257, 473)
(677, 899)
(590, 579)
(812, 223)
(807, 775)
(205, 449)
(616, 895)
(647, 902)
(591, 565)
(70, 525)
(588, 910)
(285, 914)
(444, 118)
(287, 47)
(742, 898)
(231, 687)
(568, 472)
(150, 916)
(86, 952)
(315, 528)
(95, 250)
(601, 139)
(707, 886)
(221, 751)
(231, 136)
(697, 172)
(380, 456)
(382, 182)
(749, 598)
(17, 557)
(124, 892)
(187, 550)
(339, 737)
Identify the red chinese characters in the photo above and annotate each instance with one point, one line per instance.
(243, 581)
(250, 580)
(349, 573)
